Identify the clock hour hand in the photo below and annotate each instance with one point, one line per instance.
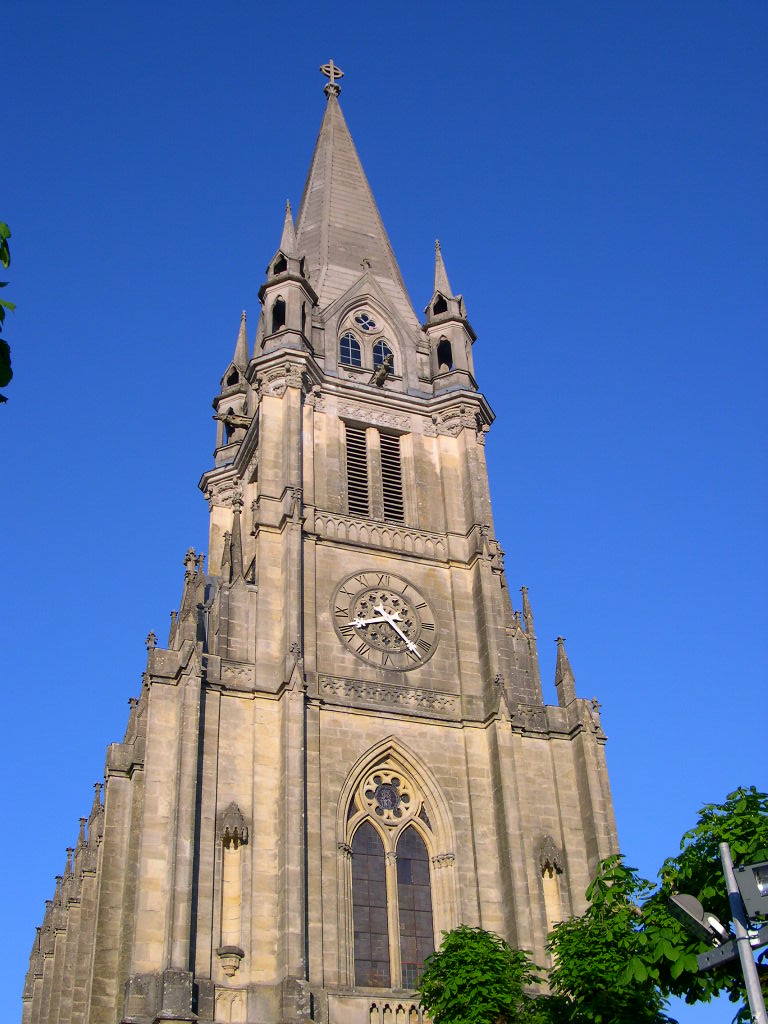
(393, 620)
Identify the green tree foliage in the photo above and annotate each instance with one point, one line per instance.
(742, 822)
(621, 960)
(602, 972)
(476, 978)
(5, 349)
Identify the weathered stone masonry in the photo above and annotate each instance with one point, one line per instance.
(343, 749)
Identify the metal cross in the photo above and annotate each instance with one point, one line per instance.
(333, 73)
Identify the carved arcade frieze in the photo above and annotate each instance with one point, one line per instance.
(408, 698)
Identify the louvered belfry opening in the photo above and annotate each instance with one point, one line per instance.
(357, 472)
(392, 478)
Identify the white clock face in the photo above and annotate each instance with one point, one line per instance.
(384, 620)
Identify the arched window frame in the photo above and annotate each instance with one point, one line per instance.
(436, 832)
(383, 331)
(381, 349)
(279, 314)
(353, 347)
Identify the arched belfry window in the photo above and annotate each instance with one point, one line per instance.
(380, 352)
(397, 889)
(444, 355)
(278, 314)
(280, 265)
(439, 306)
(349, 350)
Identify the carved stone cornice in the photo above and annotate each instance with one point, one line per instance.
(371, 533)
(410, 699)
(377, 417)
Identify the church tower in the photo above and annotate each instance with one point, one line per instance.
(343, 749)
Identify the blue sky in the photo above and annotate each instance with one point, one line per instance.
(596, 174)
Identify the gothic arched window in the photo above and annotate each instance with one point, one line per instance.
(399, 889)
(349, 350)
(380, 352)
(444, 354)
(278, 314)
(369, 896)
(414, 905)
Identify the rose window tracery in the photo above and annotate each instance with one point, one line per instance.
(386, 795)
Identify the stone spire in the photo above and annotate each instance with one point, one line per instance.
(288, 244)
(565, 684)
(442, 284)
(339, 229)
(527, 613)
(240, 358)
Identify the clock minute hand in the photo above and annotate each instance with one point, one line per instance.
(364, 622)
(393, 620)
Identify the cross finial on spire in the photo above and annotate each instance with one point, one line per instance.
(333, 73)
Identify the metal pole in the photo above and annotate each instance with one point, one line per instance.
(740, 924)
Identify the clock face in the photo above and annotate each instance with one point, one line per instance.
(384, 620)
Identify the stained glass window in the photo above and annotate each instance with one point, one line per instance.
(415, 905)
(369, 901)
(349, 350)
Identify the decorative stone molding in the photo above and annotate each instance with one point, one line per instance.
(406, 1012)
(314, 399)
(345, 849)
(532, 717)
(383, 535)
(222, 492)
(443, 860)
(376, 417)
(230, 957)
(238, 675)
(454, 420)
(232, 826)
(550, 859)
(276, 380)
(409, 698)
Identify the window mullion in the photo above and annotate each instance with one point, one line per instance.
(393, 917)
(373, 443)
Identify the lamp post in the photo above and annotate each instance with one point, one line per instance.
(747, 889)
(744, 946)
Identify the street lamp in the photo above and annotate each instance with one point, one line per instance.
(748, 896)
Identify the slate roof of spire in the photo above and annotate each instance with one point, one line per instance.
(339, 226)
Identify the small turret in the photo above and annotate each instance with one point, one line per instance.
(565, 684)
(450, 334)
(286, 296)
(232, 402)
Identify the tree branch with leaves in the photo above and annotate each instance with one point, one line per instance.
(6, 373)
